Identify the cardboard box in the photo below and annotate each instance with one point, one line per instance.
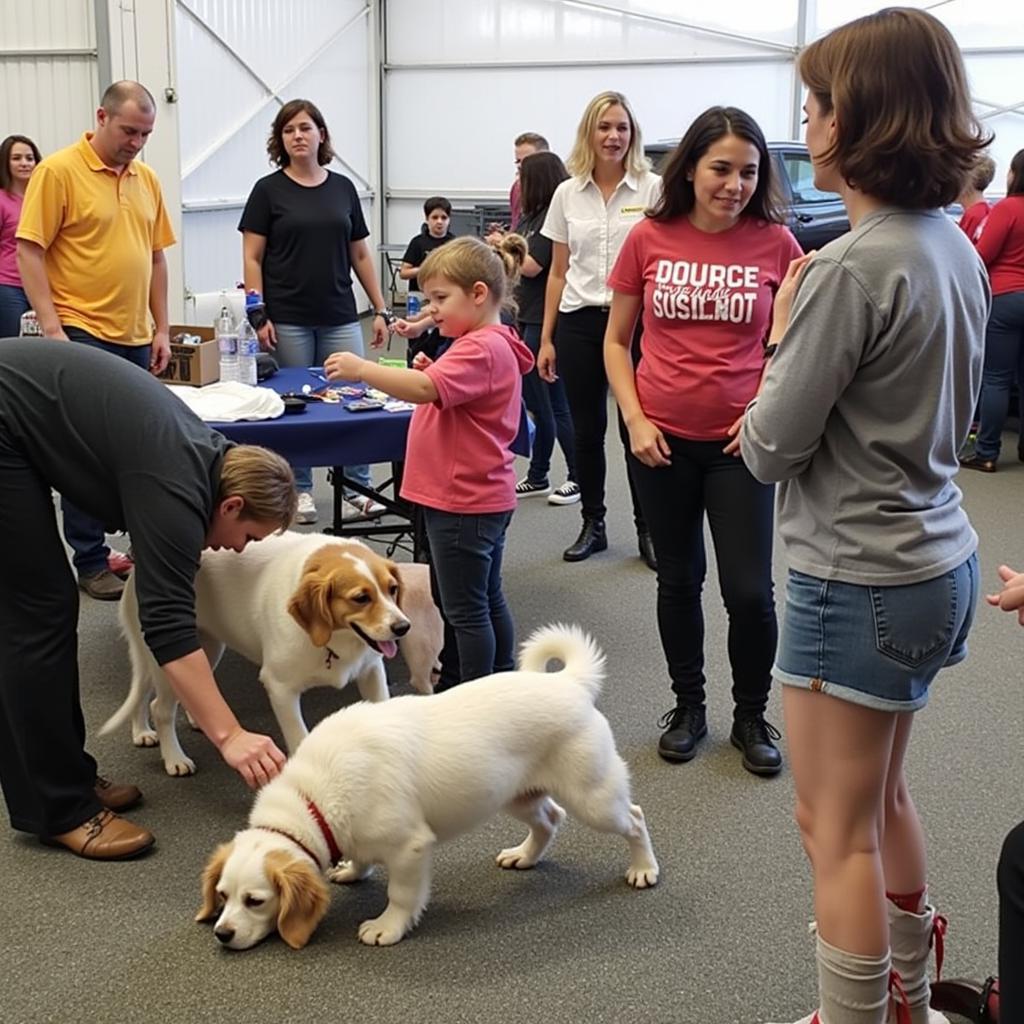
(193, 364)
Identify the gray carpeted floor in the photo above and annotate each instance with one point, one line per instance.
(723, 938)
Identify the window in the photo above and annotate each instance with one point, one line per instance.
(801, 177)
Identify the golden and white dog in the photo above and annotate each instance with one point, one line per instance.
(310, 610)
(383, 783)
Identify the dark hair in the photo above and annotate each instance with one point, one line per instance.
(437, 203)
(905, 130)
(5, 157)
(119, 93)
(275, 143)
(1015, 186)
(677, 196)
(538, 142)
(539, 175)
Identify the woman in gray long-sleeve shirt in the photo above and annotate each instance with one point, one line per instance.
(861, 413)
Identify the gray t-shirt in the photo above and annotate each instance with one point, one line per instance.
(870, 397)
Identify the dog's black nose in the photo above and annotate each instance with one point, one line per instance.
(224, 935)
(400, 628)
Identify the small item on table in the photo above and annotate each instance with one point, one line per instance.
(364, 405)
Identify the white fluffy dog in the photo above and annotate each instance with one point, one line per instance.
(382, 783)
(310, 610)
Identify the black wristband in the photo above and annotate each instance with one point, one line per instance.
(386, 315)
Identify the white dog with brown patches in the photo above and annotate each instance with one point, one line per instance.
(310, 610)
(383, 783)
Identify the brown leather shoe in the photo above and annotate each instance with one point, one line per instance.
(104, 837)
(117, 796)
(102, 585)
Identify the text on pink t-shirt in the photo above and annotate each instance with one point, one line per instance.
(707, 303)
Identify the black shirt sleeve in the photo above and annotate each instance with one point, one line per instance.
(256, 215)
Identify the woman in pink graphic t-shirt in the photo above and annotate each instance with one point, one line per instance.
(704, 265)
(18, 159)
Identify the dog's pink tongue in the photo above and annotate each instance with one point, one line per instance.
(388, 648)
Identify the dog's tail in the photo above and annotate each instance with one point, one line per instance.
(582, 659)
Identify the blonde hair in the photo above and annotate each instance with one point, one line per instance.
(467, 260)
(581, 160)
(906, 131)
(263, 480)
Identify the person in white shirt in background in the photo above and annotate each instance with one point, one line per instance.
(588, 220)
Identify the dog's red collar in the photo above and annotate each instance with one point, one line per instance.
(333, 850)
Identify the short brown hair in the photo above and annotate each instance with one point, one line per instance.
(906, 133)
(983, 173)
(467, 260)
(119, 93)
(275, 143)
(263, 480)
(538, 142)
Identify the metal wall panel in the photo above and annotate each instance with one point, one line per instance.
(237, 61)
(48, 71)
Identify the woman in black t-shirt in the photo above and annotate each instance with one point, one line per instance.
(539, 175)
(303, 235)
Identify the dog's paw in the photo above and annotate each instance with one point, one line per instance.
(385, 930)
(184, 766)
(516, 857)
(643, 876)
(146, 738)
(348, 871)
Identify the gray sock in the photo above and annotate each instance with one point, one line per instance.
(854, 989)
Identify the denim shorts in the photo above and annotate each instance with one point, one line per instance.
(876, 646)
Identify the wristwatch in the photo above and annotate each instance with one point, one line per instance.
(769, 350)
(386, 315)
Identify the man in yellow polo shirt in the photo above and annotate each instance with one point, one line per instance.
(90, 251)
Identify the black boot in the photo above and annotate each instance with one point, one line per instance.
(646, 545)
(685, 726)
(756, 739)
(592, 538)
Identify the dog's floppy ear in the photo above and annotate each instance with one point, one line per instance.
(303, 900)
(211, 876)
(310, 606)
(396, 575)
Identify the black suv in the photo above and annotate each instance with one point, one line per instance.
(814, 217)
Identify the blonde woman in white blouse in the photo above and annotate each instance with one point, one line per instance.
(588, 220)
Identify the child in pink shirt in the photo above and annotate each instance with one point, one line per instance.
(459, 463)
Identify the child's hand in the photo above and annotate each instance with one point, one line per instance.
(344, 366)
(421, 361)
(409, 329)
(1011, 597)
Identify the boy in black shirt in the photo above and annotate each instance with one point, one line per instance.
(124, 449)
(433, 235)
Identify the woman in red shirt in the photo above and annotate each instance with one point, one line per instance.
(1001, 246)
(705, 264)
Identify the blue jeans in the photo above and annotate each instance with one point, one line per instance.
(84, 534)
(298, 345)
(1004, 362)
(549, 408)
(465, 577)
(13, 302)
(880, 646)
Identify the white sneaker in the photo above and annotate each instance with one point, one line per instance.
(307, 508)
(807, 1020)
(567, 494)
(359, 506)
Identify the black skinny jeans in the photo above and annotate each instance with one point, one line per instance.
(740, 513)
(1011, 926)
(579, 346)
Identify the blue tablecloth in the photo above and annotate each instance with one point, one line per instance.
(325, 434)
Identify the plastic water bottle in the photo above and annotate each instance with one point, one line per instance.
(28, 326)
(227, 344)
(412, 306)
(248, 350)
